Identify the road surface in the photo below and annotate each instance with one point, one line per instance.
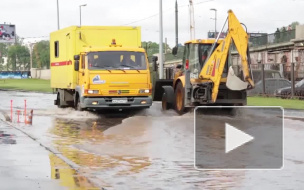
(146, 149)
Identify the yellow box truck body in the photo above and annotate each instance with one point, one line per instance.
(96, 67)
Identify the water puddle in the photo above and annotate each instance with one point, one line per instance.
(67, 176)
(6, 138)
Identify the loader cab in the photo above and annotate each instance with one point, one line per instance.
(195, 55)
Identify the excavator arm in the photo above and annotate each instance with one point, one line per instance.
(214, 67)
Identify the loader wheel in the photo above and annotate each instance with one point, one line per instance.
(179, 99)
(165, 104)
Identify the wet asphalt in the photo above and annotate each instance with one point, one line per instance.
(23, 162)
(147, 149)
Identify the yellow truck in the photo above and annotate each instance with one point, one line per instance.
(98, 67)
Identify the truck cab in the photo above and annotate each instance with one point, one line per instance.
(113, 78)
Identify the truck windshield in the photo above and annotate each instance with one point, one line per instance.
(112, 60)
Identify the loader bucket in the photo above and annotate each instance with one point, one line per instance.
(234, 82)
(158, 88)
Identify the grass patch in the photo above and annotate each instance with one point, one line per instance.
(270, 101)
(37, 85)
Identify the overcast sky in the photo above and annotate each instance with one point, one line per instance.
(37, 18)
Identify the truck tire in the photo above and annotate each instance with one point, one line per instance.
(59, 105)
(165, 104)
(78, 108)
(179, 99)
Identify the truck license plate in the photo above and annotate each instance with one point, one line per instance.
(121, 101)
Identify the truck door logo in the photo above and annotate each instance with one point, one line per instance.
(97, 80)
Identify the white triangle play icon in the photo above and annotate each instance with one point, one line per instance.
(235, 138)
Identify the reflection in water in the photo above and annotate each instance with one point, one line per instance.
(68, 177)
(71, 132)
(6, 138)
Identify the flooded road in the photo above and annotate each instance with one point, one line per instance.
(146, 149)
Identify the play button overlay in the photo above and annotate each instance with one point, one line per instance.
(238, 137)
(235, 138)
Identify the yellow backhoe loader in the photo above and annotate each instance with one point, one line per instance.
(206, 76)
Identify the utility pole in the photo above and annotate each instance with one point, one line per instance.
(58, 15)
(176, 23)
(192, 24)
(80, 11)
(161, 64)
(215, 35)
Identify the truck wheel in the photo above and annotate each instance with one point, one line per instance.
(179, 99)
(78, 108)
(165, 104)
(59, 105)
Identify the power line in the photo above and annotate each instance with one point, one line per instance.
(142, 19)
(166, 11)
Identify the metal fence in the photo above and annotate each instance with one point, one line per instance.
(271, 39)
(278, 79)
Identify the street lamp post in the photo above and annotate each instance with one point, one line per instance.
(214, 21)
(58, 15)
(80, 11)
(161, 64)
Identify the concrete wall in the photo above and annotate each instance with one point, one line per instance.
(41, 73)
(300, 32)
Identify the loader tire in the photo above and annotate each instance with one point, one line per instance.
(179, 99)
(165, 104)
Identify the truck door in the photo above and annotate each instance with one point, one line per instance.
(81, 73)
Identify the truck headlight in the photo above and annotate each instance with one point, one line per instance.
(144, 91)
(93, 91)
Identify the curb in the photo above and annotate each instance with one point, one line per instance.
(294, 118)
(54, 151)
(19, 90)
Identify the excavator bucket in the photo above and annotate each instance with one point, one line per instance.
(234, 82)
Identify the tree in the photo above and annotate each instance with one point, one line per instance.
(294, 24)
(41, 55)
(18, 55)
(153, 47)
(3, 53)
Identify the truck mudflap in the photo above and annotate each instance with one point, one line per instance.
(115, 102)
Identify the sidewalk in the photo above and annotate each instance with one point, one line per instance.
(24, 164)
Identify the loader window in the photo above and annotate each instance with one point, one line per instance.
(114, 60)
(204, 51)
(56, 46)
(194, 65)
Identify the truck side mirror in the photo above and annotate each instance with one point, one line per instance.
(174, 50)
(76, 65)
(76, 57)
(154, 60)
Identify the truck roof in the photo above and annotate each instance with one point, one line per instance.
(99, 28)
(103, 48)
(97, 36)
